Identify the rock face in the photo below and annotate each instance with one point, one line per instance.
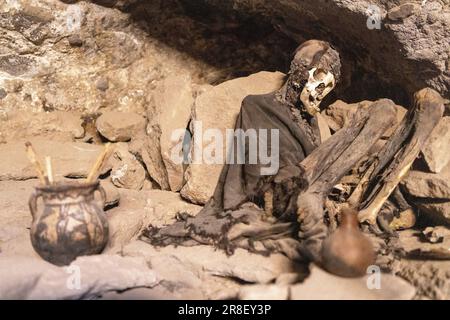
(402, 11)
(428, 185)
(85, 55)
(243, 265)
(28, 278)
(88, 56)
(387, 287)
(120, 126)
(218, 108)
(138, 210)
(173, 99)
(70, 159)
(431, 192)
(57, 125)
(112, 194)
(436, 152)
(432, 277)
(127, 172)
(420, 30)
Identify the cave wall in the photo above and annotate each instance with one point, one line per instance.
(91, 55)
(411, 50)
(88, 57)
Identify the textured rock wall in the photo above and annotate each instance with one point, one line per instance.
(78, 55)
(410, 50)
(91, 55)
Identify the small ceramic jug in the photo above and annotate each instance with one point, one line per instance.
(348, 252)
(71, 224)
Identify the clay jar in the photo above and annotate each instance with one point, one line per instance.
(347, 252)
(71, 223)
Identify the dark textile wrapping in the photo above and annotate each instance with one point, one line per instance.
(233, 216)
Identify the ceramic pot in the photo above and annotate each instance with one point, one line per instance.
(71, 223)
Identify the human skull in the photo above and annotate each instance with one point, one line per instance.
(319, 84)
(315, 71)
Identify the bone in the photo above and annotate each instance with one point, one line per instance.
(319, 85)
(355, 199)
(371, 212)
(331, 151)
(327, 164)
(324, 129)
(399, 153)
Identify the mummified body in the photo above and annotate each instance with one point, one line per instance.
(284, 212)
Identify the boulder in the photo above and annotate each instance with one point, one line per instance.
(428, 185)
(431, 278)
(27, 278)
(147, 148)
(431, 243)
(56, 125)
(137, 210)
(69, 159)
(427, 266)
(325, 286)
(431, 192)
(436, 151)
(127, 172)
(217, 108)
(403, 11)
(202, 259)
(172, 99)
(112, 194)
(120, 126)
(179, 278)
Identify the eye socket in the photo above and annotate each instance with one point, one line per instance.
(319, 74)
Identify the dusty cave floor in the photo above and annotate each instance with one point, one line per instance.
(183, 272)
